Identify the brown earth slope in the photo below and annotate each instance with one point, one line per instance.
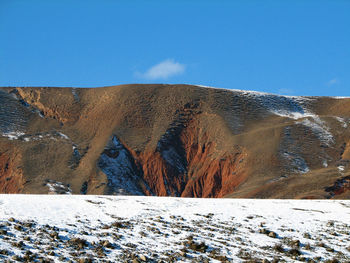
(173, 140)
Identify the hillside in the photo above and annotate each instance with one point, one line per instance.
(173, 140)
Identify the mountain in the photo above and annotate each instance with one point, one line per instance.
(173, 140)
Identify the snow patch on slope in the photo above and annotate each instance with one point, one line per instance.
(116, 163)
(15, 135)
(245, 92)
(325, 163)
(297, 162)
(319, 129)
(341, 168)
(340, 98)
(342, 121)
(63, 136)
(293, 107)
(18, 135)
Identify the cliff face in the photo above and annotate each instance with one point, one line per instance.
(173, 140)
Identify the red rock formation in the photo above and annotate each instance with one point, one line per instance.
(11, 177)
(210, 172)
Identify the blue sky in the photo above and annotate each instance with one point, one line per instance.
(285, 47)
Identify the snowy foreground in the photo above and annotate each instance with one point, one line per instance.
(53, 228)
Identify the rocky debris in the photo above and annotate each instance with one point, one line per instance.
(200, 247)
(78, 243)
(268, 232)
(57, 187)
(142, 258)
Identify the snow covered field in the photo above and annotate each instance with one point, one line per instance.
(63, 228)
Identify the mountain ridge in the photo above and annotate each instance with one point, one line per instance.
(177, 140)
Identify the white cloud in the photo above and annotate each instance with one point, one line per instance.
(332, 82)
(164, 70)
